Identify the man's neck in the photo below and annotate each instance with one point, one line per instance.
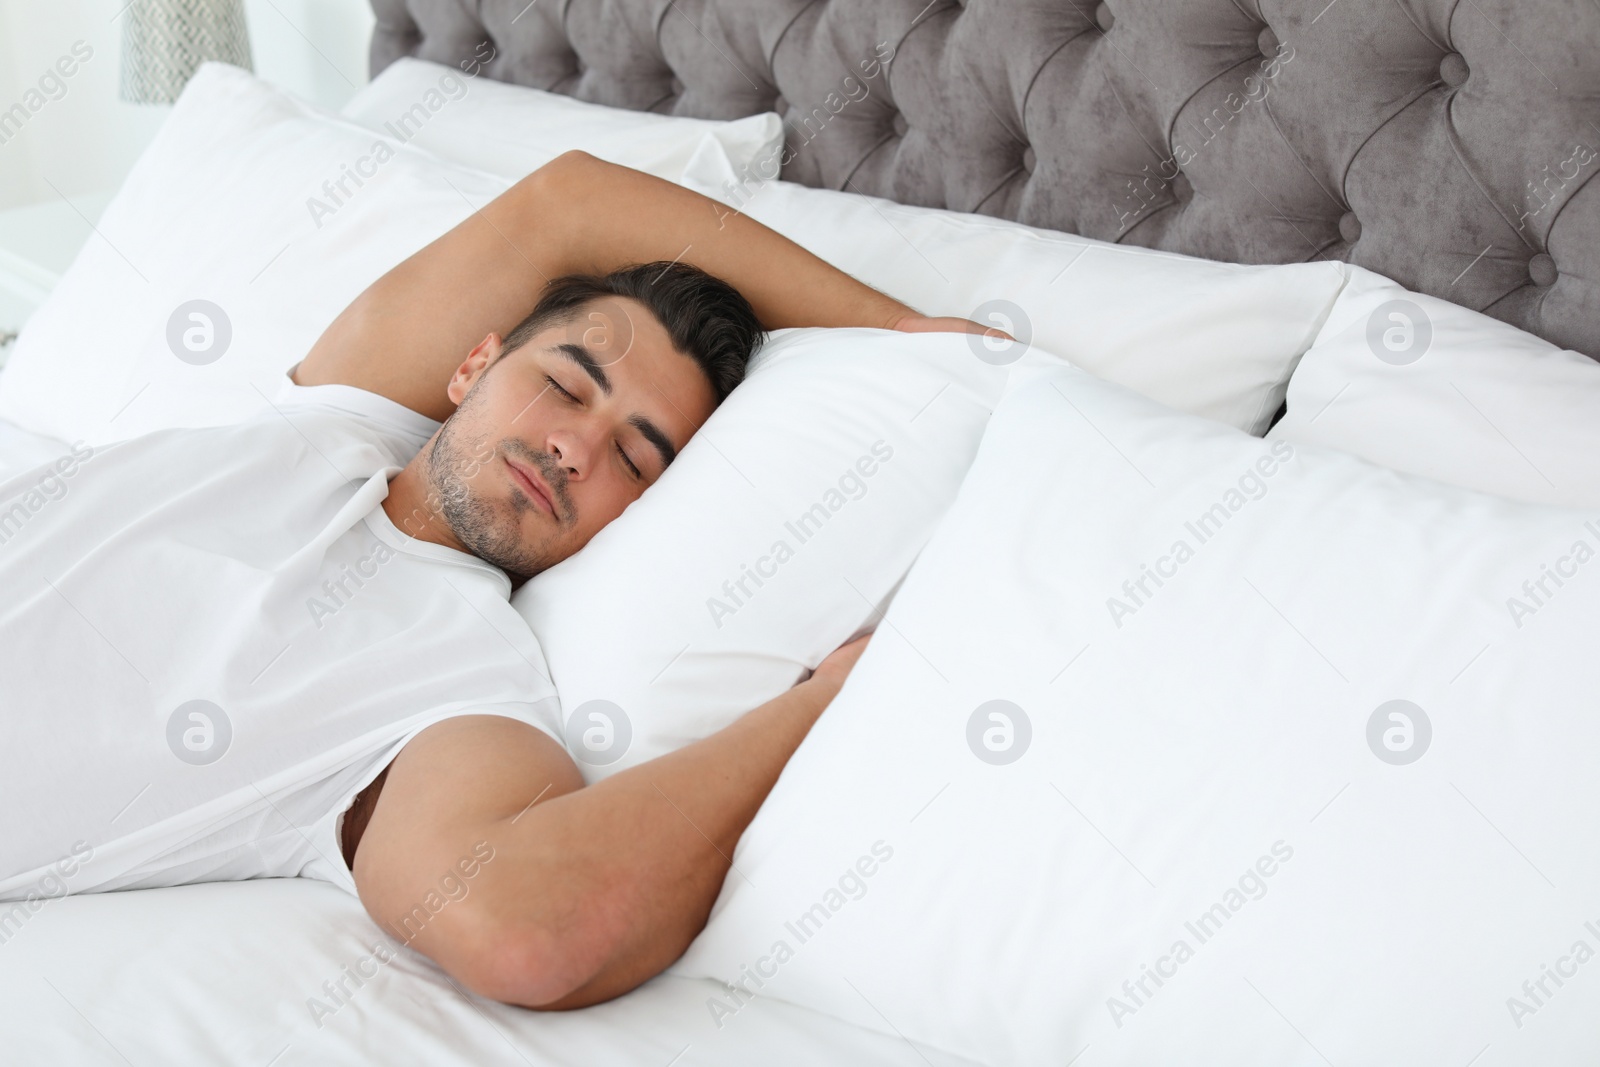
(408, 507)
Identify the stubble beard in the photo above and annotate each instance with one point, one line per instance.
(490, 529)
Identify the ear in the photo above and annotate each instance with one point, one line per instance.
(477, 361)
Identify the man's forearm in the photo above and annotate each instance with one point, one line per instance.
(613, 216)
(674, 823)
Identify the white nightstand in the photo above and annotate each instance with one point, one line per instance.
(37, 244)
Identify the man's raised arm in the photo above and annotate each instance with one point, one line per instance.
(404, 336)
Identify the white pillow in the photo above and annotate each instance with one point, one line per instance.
(224, 217)
(511, 130)
(1212, 761)
(1214, 339)
(778, 533)
(21, 450)
(1423, 385)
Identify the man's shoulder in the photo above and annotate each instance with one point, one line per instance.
(354, 402)
(347, 410)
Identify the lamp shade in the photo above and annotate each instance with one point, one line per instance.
(165, 41)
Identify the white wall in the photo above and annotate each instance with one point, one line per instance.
(86, 141)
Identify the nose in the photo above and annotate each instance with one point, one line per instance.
(573, 450)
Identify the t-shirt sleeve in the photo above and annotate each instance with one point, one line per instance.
(405, 430)
(325, 840)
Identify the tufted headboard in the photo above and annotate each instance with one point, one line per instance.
(1449, 144)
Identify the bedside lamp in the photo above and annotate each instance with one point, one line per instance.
(165, 41)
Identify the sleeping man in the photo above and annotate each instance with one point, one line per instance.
(285, 647)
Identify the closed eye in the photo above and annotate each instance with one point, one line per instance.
(557, 387)
(629, 462)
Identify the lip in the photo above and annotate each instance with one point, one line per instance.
(531, 483)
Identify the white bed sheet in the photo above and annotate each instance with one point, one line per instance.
(222, 973)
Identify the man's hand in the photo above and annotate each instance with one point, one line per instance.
(836, 666)
(914, 323)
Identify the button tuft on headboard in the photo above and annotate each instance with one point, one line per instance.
(1350, 227)
(1453, 69)
(1542, 269)
(1104, 18)
(1267, 42)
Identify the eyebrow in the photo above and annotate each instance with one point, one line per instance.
(580, 355)
(649, 430)
(653, 434)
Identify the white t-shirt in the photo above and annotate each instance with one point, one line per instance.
(251, 568)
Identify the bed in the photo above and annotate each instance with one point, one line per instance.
(1265, 182)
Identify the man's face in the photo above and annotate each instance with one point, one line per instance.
(551, 440)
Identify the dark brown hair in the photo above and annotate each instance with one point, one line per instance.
(707, 319)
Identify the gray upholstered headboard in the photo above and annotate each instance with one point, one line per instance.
(1449, 144)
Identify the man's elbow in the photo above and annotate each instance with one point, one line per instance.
(526, 965)
(574, 159)
(567, 174)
